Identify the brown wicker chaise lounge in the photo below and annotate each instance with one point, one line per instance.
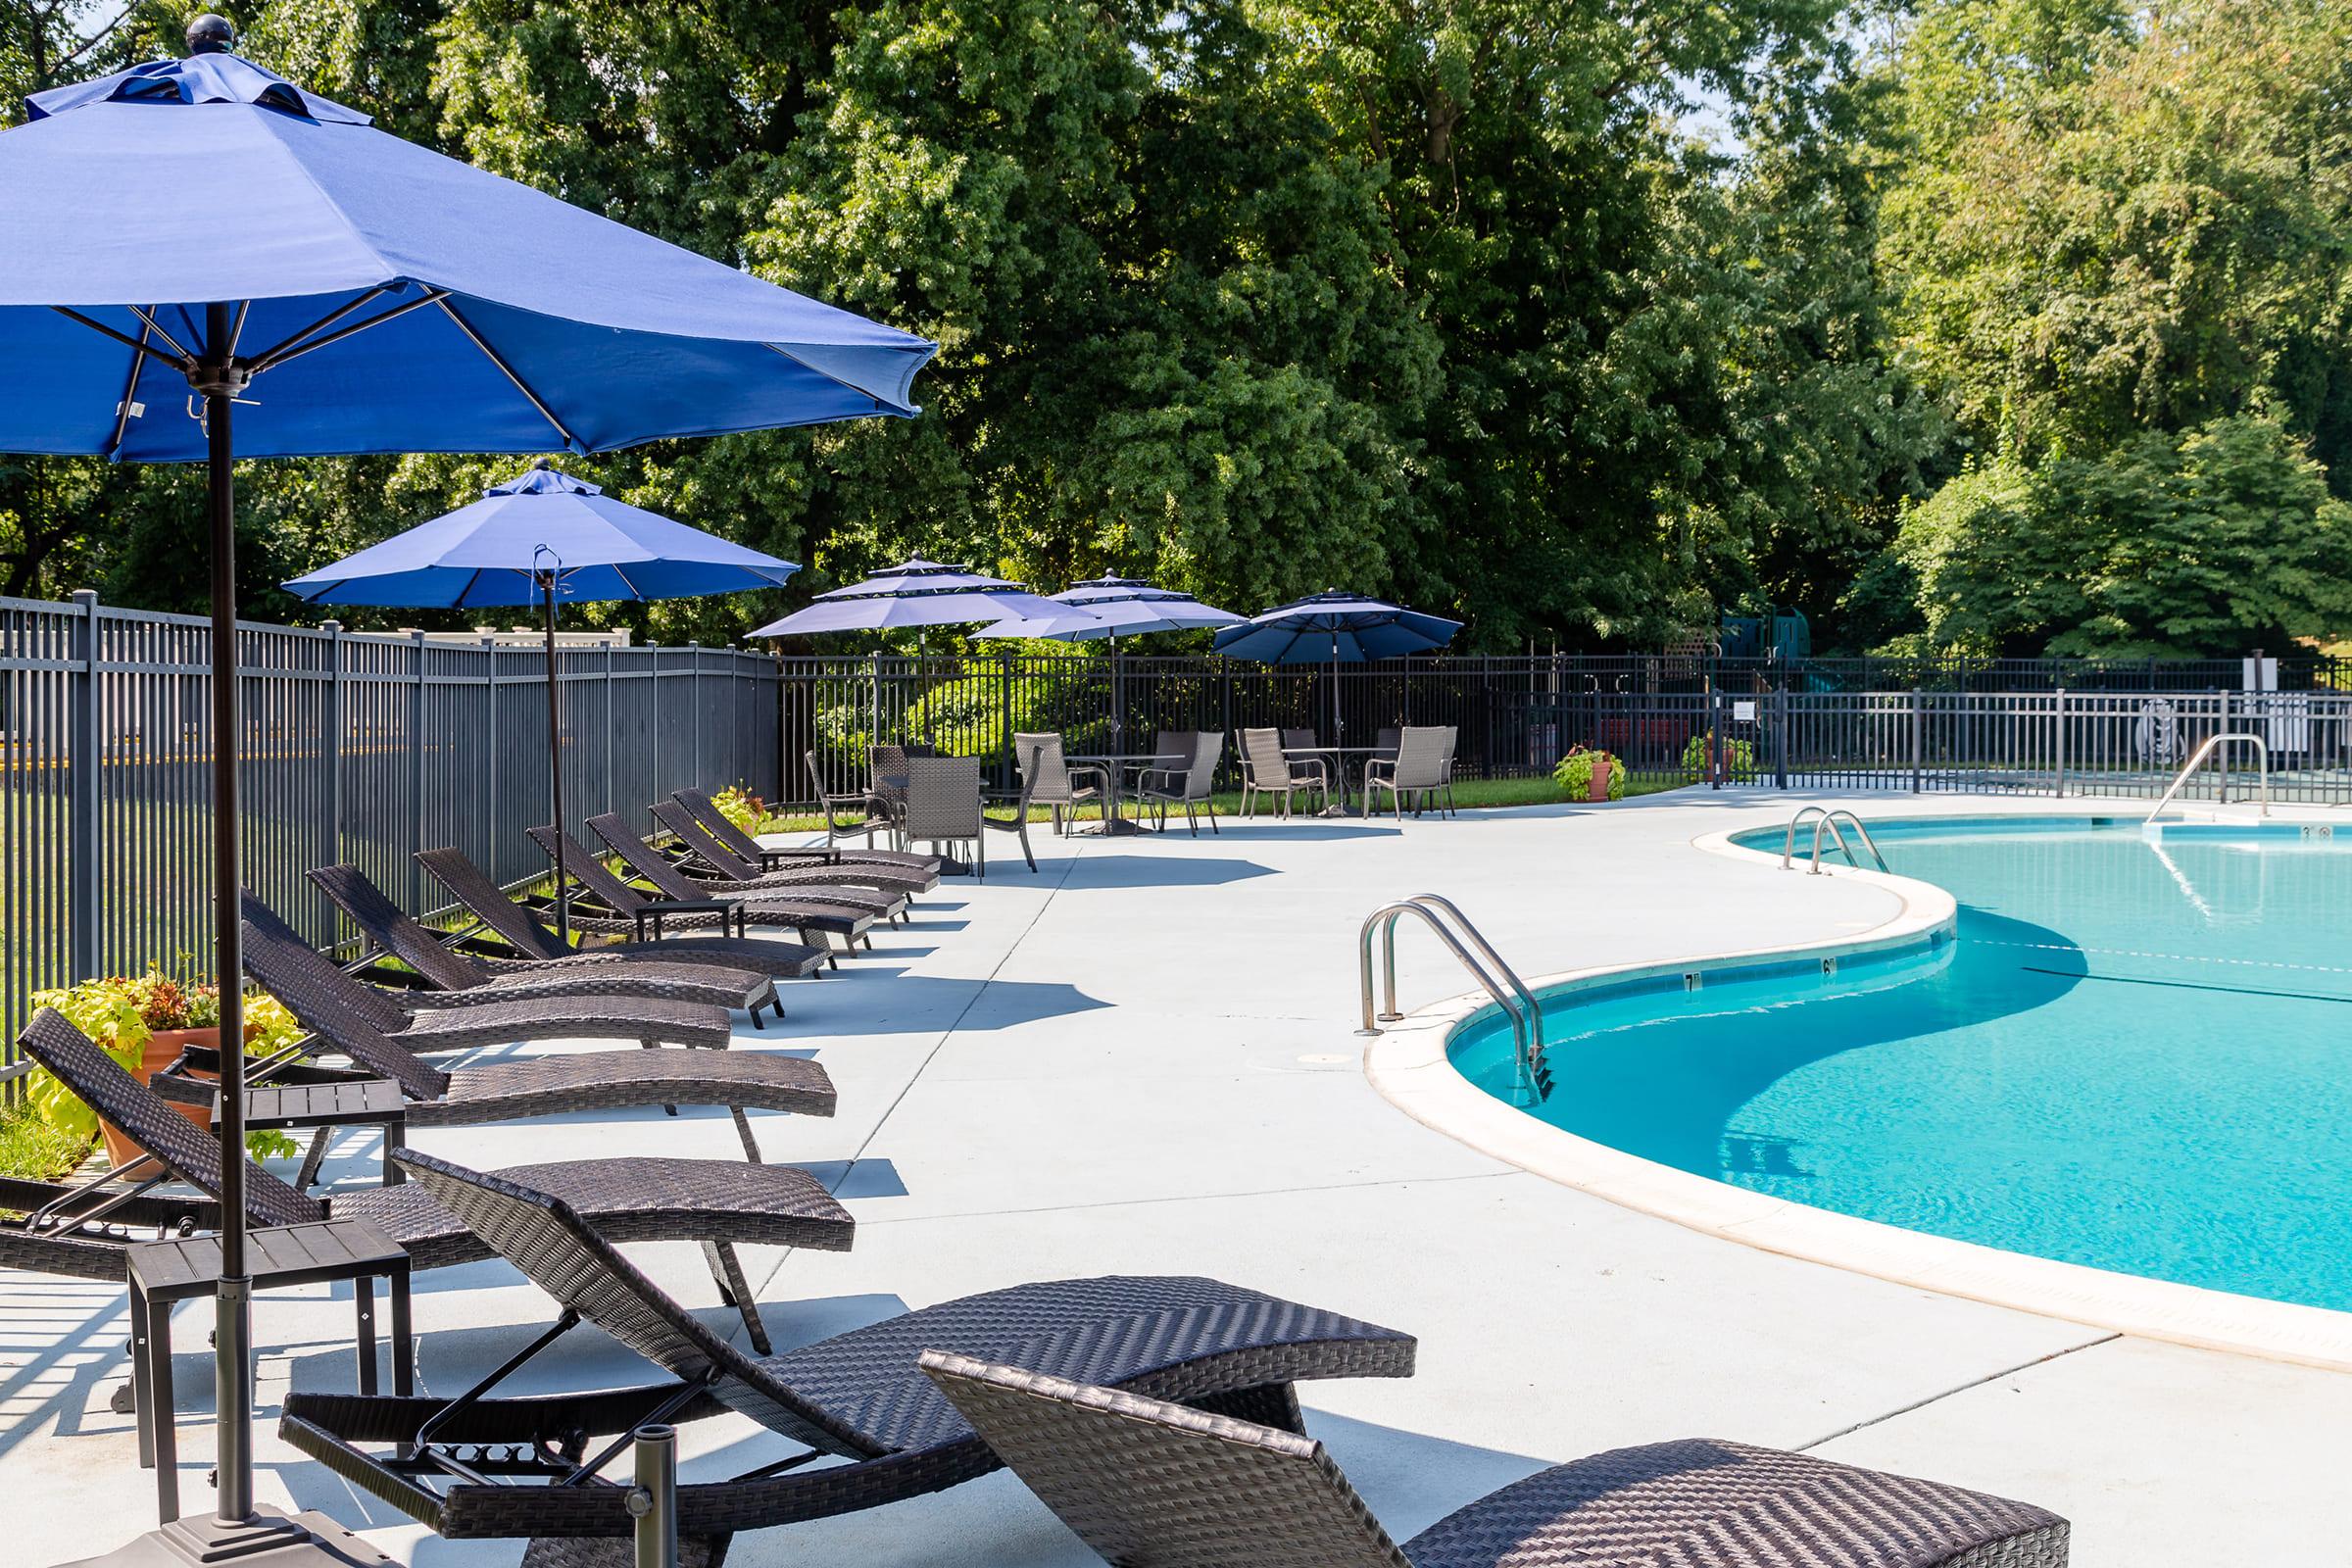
(460, 979)
(79, 1231)
(713, 865)
(858, 1397)
(648, 864)
(494, 1021)
(705, 810)
(624, 908)
(522, 931)
(1153, 1484)
(344, 1015)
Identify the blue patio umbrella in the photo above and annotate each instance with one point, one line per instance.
(914, 593)
(533, 540)
(1335, 628)
(198, 241)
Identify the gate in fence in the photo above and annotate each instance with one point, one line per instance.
(358, 747)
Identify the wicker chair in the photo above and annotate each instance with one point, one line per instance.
(1190, 789)
(1171, 751)
(1387, 742)
(1265, 770)
(845, 913)
(346, 1017)
(1044, 766)
(889, 789)
(1454, 735)
(1148, 1484)
(717, 1202)
(706, 811)
(712, 864)
(1419, 768)
(1299, 740)
(872, 811)
(943, 805)
(858, 1395)
(460, 979)
(1019, 802)
(618, 906)
(521, 933)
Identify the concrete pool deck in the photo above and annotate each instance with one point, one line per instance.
(1142, 1060)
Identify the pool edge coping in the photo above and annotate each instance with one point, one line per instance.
(1408, 1065)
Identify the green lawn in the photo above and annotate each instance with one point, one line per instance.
(33, 1150)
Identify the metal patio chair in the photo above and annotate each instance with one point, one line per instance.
(1054, 781)
(1193, 787)
(1265, 770)
(1419, 768)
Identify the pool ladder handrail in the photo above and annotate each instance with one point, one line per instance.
(1827, 817)
(2197, 759)
(1500, 981)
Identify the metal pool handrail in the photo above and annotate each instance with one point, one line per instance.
(2214, 743)
(1502, 982)
(1827, 817)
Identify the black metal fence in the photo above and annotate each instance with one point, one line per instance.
(357, 747)
(1675, 720)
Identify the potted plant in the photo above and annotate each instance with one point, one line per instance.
(1590, 775)
(739, 806)
(144, 1023)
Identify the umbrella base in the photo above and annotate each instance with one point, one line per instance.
(268, 1539)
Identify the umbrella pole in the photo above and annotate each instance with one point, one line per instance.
(555, 764)
(232, 1337)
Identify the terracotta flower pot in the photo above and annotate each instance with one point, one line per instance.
(1599, 790)
(162, 1049)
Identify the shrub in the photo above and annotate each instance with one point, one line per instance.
(739, 806)
(1739, 758)
(1575, 774)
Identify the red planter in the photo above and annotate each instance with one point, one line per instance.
(162, 1049)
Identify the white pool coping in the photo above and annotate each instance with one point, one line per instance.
(1408, 1065)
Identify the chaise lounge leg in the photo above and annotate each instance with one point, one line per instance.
(736, 1291)
(743, 1130)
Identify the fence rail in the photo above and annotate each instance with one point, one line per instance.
(357, 747)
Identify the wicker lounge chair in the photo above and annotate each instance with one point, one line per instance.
(858, 1397)
(650, 865)
(460, 979)
(1152, 1485)
(769, 857)
(1044, 766)
(79, 1232)
(872, 811)
(496, 1021)
(522, 932)
(1419, 770)
(712, 864)
(1193, 787)
(648, 913)
(1265, 770)
(342, 1015)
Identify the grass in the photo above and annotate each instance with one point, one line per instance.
(1469, 793)
(33, 1150)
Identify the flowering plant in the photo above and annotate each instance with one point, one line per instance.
(739, 806)
(1575, 773)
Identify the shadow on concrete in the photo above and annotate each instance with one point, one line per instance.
(899, 1003)
(1201, 870)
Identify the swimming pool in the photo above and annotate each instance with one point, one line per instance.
(2134, 1053)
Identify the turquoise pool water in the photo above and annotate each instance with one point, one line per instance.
(2135, 1056)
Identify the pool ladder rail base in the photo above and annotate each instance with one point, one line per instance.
(1532, 1083)
(1827, 817)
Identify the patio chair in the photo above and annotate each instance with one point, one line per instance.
(1265, 770)
(1299, 740)
(1148, 1484)
(1019, 802)
(1190, 789)
(459, 979)
(771, 857)
(873, 814)
(1385, 744)
(1454, 735)
(859, 1398)
(713, 864)
(81, 1230)
(619, 906)
(1419, 768)
(343, 1016)
(832, 912)
(524, 933)
(675, 880)
(1171, 751)
(494, 1021)
(889, 787)
(1053, 780)
(943, 806)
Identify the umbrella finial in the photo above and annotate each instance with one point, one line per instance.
(211, 34)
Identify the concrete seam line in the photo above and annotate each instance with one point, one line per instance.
(1959, 1387)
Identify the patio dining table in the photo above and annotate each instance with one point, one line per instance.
(1116, 765)
(1339, 756)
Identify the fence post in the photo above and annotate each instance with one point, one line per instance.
(654, 720)
(489, 818)
(611, 695)
(2060, 720)
(2220, 754)
(1715, 757)
(1006, 763)
(332, 751)
(694, 709)
(416, 773)
(1779, 724)
(82, 765)
(1919, 728)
